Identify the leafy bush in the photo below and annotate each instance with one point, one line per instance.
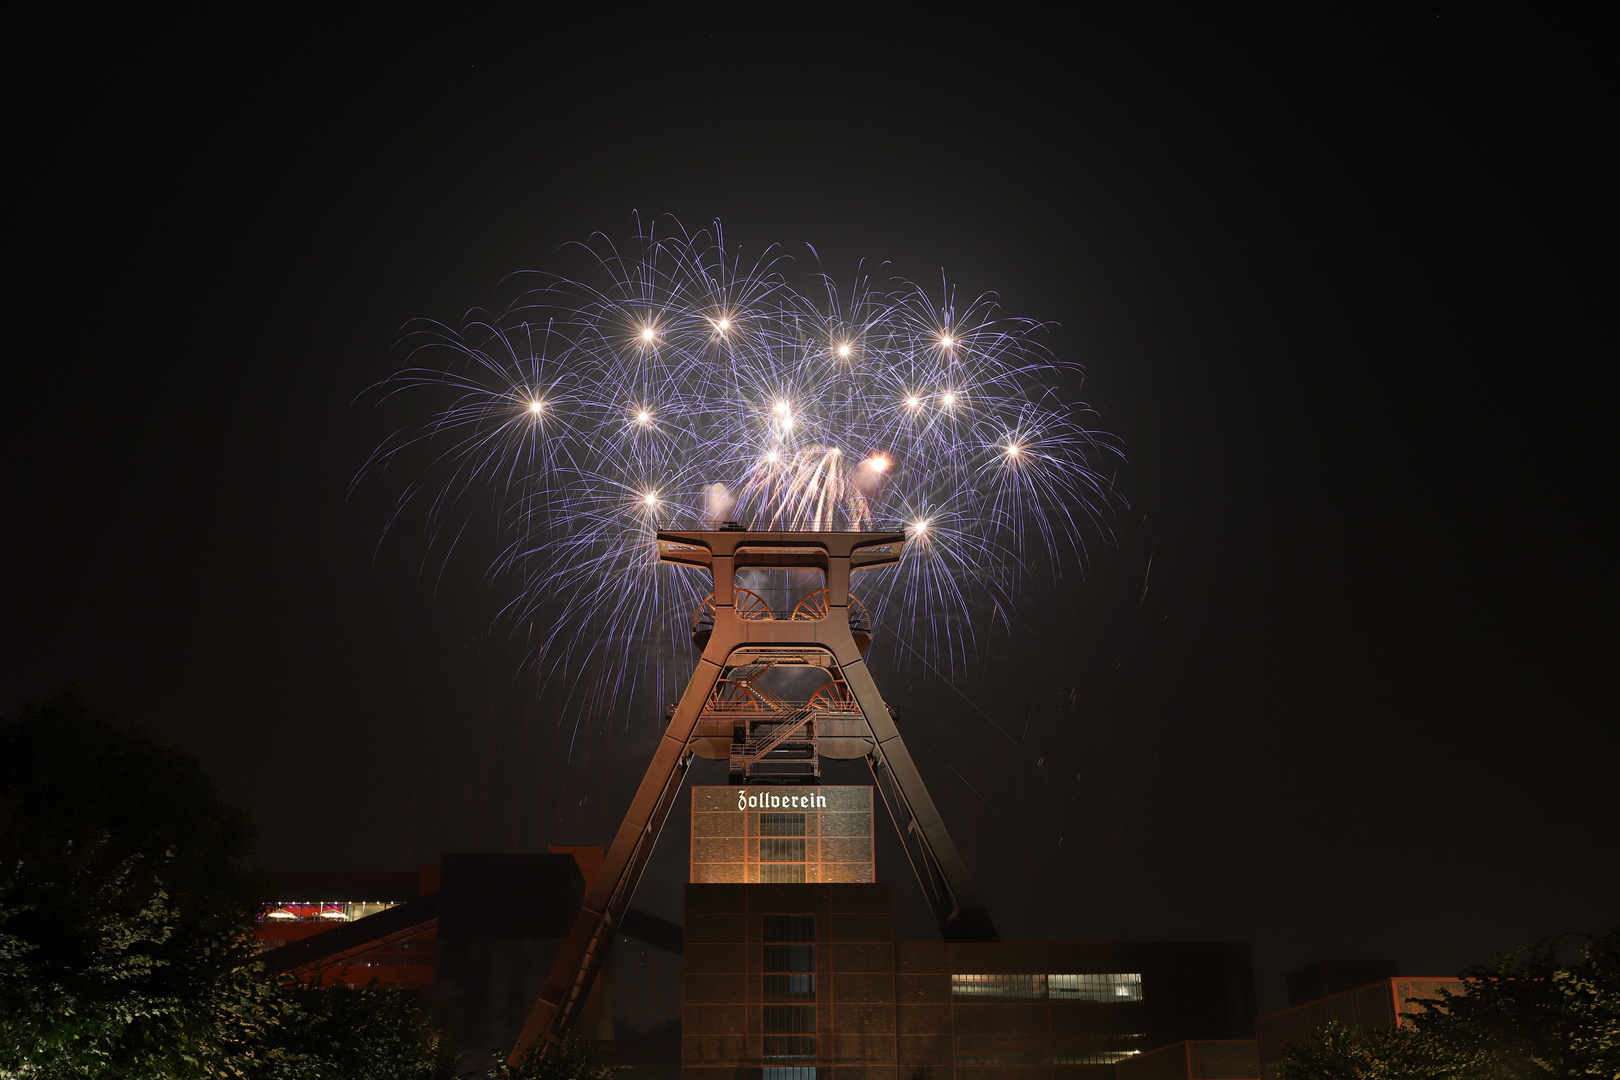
(126, 926)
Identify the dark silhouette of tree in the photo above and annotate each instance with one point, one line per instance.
(567, 1061)
(1523, 1016)
(126, 915)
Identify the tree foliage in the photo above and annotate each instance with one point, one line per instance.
(126, 909)
(1522, 1016)
(568, 1060)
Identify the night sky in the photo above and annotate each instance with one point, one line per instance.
(1337, 286)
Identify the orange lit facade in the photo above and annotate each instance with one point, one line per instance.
(349, 952)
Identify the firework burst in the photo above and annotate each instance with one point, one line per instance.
(675, 385)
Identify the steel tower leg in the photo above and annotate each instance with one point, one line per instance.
(934, 858)
(575, 969)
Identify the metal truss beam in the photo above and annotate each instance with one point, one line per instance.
(732, 642)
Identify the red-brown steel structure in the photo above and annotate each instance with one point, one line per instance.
(725, 715)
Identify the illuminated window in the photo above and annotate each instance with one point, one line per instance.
(781, 851)
(1001, 1048)
(781, 873)
(1017, 987)
(781, 825)
(800, 1072)
(1088, 987)
(1097, 987)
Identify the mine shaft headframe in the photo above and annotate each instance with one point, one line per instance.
(836, 554)
(737, 643)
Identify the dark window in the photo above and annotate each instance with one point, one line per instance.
(790, 928)
(790, 1048)
(790, 958)
(790, 1019)
(781, 873)
(790, 987)
(781, 825)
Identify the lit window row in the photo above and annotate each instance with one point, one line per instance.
(324, 911)
(781, 825)
(1039, 987)
(781, 850)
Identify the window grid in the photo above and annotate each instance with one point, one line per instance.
(790, 1019)
(789, 928)
(791, 1072)
(1035, 987)
(1017, 987)
(790, 987)
(781, 849)
(1095, 987)
(781, 825)
(790, 958)
(790, 1048)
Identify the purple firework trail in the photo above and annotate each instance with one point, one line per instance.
(674, 385)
